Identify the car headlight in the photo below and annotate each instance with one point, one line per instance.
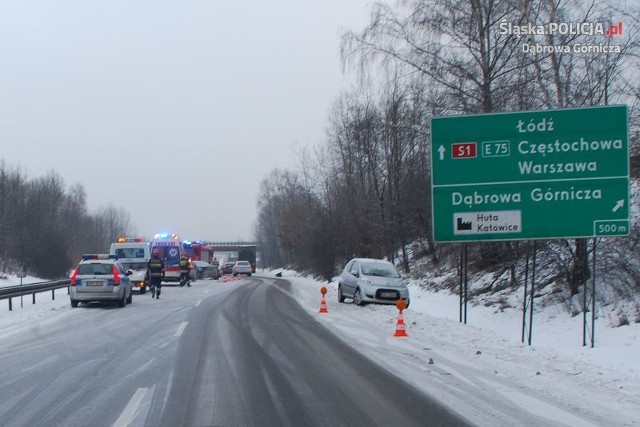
(367, 281)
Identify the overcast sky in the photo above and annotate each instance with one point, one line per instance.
(172, 110)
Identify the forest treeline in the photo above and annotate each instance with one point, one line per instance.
(45, 227)
(365, 189)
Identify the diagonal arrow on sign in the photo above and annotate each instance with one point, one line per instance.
(618, 205)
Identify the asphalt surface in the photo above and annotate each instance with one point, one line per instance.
(242, 353)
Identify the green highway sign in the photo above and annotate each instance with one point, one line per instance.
(530, 175)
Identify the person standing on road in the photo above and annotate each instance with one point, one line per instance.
(155, 270)
(184, 270)
(216, 268)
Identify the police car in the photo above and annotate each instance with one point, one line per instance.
(100, 277)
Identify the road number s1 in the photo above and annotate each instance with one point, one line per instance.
(464, 150)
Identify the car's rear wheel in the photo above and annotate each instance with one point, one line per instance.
(143, 291)
(357, 298)
(341, 297)
(122, 302)
(74, 303)
(130, 299)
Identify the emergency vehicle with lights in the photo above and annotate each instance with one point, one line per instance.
(170, 251)
(134, 254)
(100, 277)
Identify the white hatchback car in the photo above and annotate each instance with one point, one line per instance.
(100, 277)
(368, 280)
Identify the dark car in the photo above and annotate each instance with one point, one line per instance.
(227, 268)
(204, 270)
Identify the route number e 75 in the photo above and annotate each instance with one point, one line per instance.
(495, 148)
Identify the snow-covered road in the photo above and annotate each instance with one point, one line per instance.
(480, 369)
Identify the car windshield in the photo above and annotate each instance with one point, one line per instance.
(95, 269)
(243, 263)
(130, 252)
(379, 269)
(135, 265)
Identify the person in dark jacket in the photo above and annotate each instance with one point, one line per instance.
(184, 270)
(155, 271)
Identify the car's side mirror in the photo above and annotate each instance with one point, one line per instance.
(356, 274)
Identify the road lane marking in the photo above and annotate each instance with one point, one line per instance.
(198, 302)
(181, 329)
(130, 410)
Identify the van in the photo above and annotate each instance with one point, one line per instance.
(134, 255)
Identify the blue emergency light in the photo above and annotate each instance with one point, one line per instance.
(86, 257)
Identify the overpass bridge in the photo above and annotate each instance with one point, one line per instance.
(224, 251)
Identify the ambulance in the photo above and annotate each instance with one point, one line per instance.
(170, 251)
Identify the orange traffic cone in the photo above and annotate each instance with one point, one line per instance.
(323, 306)
(400, 329)
(323, 302)
(224, 278)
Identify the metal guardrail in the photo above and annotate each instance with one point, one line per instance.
(32, 289)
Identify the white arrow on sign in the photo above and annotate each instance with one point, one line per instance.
(441, 150)
(618, 205)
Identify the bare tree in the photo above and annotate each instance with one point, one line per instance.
(271, 205)
(456, 45)
(111, 223)
(44, 229)
(567, 79)
(12, 195)
(461, 51)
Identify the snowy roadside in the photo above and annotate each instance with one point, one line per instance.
(556, 380)
(12, 280)
(24, 311)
